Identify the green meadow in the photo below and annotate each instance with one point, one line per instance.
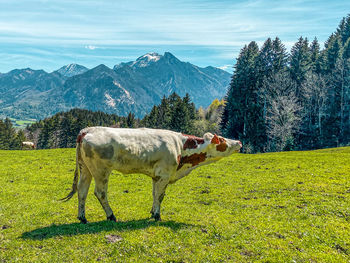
(275, 207)
(21, 124)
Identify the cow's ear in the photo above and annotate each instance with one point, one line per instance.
(215, 140)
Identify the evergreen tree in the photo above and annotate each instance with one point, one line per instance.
(245, 120)
(45, 138)
(66, 134)
(20, 137)
(300, 63)
(279, 56)
(2, 135)
(265, 61)
(315, 56)
(9, 135)
(164, 114)
(343, 30)
(130, 121)
(333, 52)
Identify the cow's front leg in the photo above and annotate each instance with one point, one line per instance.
(101, 188)
(83, 189)
(159, 193)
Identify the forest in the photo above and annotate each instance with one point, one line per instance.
(277, 101)
(280, 101)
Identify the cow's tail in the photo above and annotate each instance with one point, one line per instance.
(76, 176)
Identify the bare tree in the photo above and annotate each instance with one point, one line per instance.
(315, 105)
(282, 119)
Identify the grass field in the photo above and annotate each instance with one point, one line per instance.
(21, 124)
(276, 207)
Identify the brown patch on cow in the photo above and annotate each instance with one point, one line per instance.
(215, 140)
(222, 146)
(193, 159)
(192, 141)
(80, 137)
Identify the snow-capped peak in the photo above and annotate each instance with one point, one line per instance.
(72, 70)
(152, 56)
(146, 60)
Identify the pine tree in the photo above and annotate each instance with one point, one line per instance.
(343, 30)
(300, 63)
(315, 56)
(130, 121)
(279, 56)
(45, 137)
(20, 137)
(164, 114)
(243, 108)
(178, 115)
(333, 52)
(9, 135)
(2, 135)
(67, 138)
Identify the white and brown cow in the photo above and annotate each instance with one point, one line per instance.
(165, 156)
(28, 145)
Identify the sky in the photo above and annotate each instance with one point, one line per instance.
(47, 34)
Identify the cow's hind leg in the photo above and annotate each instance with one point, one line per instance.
(153, 193)
(159, 192)
(83, 189)
(101, 188)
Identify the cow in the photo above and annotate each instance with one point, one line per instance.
(28, 145)
(163, 155)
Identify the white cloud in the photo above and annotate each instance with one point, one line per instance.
(223, 26)
(91, 47)
(228, 68)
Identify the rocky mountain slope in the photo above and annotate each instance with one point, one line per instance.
(133, 86)
(72, 70)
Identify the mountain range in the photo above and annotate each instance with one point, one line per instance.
(134, 86)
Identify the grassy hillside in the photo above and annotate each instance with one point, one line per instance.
(277, 207)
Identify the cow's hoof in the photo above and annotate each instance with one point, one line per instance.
(157, 217)
(112, 218)
(83, 220)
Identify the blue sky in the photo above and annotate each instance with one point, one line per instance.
(47, 34)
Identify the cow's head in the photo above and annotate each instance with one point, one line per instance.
(206, 150)
(219, 147)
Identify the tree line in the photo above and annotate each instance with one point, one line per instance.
(61, 130)
(291, 101)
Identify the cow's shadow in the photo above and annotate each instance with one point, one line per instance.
(96, 227)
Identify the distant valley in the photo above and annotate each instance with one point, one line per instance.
(129, 87)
